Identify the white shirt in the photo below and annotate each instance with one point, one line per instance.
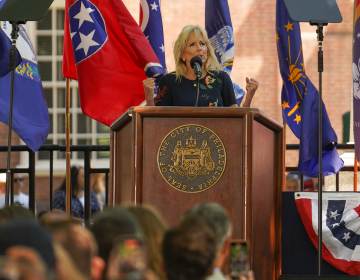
(22, 199)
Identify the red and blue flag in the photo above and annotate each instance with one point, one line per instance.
(105, 49)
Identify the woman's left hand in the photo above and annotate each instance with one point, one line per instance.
(251, 87)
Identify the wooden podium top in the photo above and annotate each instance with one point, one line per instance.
(171, 111)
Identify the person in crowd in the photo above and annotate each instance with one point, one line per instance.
(153, 229)
(216, 217)
(77, 241)
(15, 211)
(77, 194)
(20, 197)
(98, 186)
(292, 182)
(108, 225)
(179, 88)
(65, 267)
(189, 250)
(2, 189)
(21, 235)
(23, 263)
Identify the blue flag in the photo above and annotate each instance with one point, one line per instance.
(299, 99)
(30, 115)
(219, 28)
(5, 46)
(152, 27)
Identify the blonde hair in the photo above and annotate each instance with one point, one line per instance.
(181, 43)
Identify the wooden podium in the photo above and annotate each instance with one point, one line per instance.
(233, 156)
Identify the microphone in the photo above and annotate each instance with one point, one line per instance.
(196, 64)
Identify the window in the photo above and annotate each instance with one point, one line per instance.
(48, 34)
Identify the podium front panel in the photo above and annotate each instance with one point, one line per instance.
(171, 202)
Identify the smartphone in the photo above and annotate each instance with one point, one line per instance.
(128, 259)
(239, 258)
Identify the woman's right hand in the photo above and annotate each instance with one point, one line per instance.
(149, 90)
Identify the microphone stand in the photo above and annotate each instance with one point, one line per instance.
(320, 39)
(197, 91)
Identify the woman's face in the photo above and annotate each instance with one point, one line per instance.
(195, 46)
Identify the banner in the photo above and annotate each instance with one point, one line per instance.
(340, 225)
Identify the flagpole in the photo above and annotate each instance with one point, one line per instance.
(67, 149)
(12, 65)
(284, 185)
(320, 38)
(356, 164)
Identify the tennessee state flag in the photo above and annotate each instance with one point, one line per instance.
(106, 51)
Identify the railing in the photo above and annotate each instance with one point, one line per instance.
(51, 149)
(88, 169)
(340, 148)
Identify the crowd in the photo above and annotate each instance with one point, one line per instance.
(123, 242)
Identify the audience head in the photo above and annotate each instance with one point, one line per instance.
(153, 229)
(76, 180)
(189, 250)
(76, 240)
(29, 234)
(216, 218)
(292, 181)
(181, 45)
(15, 211)
(109, 225)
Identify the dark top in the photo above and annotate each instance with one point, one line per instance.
(77, 210)
(216, 89)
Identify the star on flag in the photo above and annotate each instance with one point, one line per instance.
(154, 6)
(84, 15)
(87, 42)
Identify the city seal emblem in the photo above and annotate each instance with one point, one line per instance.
(191, 158)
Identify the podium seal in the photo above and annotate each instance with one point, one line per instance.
(191, 158)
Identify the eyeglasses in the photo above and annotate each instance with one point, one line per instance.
(18, 179)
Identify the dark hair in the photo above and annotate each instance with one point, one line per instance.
(216, 218)
(109, 225)
(74, 173)
(189, 251)
(30, 234)
(15, 211)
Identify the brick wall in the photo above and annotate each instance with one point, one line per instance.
(256, 56)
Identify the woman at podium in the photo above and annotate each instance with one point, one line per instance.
(198, 79)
